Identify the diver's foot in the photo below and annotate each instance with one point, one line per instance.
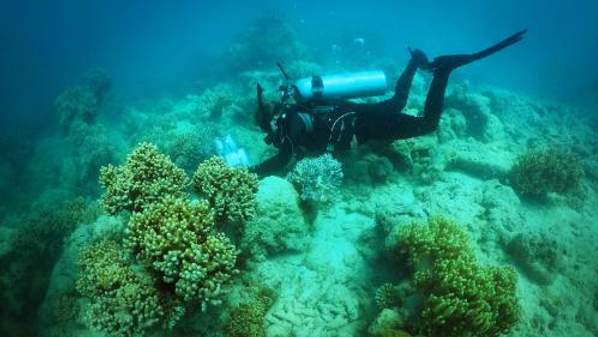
(450, 62)
(419, 57)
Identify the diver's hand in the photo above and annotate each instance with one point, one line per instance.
(419, 57)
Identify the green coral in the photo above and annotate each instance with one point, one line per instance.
(539, 171)
(229, 191)
(247, 319)
(459, 297)
(176, 239)
(386, 296)
(144, 179)
(124, 302)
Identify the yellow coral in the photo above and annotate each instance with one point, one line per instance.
(460, 297)
(229, 191)
(123, 302)
(146, 177)
(177, 240)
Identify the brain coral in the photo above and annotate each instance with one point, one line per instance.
(176, 239)
(145, 178)
(459, 297)
(229, 191)
(279, 225)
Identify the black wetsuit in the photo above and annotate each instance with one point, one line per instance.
(314, 128)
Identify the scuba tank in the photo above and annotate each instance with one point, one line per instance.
(340, 86)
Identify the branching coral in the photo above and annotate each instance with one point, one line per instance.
(247, 319)
(177, 240)
(229, 191)
(539, 171)
(460, 297)
(146, 177)
(386, 296)
(123, 302)
(317, 178)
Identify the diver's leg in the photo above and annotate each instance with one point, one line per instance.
(399, 100)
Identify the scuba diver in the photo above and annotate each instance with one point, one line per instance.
(321, 119)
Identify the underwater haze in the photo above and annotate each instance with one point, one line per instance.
(138, 195)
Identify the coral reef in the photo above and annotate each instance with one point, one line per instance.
(82, 103)
(418, 157)
(279, 225)
(188, 148)
(459, 297)
(538, 256)
(215, 100)
(269, 39)
(388, 324)
(367, 167)
(386, 296)
(176, 239)
(229, 191)
(476, 108)
(29, 254)
(540, 171)
(317, 179)
(145, 178)
(124, 302)
(247, 318)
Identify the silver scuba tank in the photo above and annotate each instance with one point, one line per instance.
(341, 86)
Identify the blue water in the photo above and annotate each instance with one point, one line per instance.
(161, 57)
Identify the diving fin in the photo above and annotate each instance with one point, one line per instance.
(451, 62)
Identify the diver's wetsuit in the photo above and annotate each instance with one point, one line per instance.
(313, 128)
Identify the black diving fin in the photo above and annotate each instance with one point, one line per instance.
(451, 62)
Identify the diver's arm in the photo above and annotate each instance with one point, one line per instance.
(293, 132)
(263, 114)
(274, 163)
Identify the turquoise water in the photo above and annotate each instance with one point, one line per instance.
(117, 220)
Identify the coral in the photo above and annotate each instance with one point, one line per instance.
(215, 100)
(540, 257)
(388, 324)
(145, 178)
(176, 239)
(367, 167)
(417, 156)
(386, 296)
(229, 191)
(190, 147)
(247, 319)
(317, 179)
(477, 110)
(268, 39)
(279, 225)
(540, 171)
(459, 297)
(82, 102)
(123, 302)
